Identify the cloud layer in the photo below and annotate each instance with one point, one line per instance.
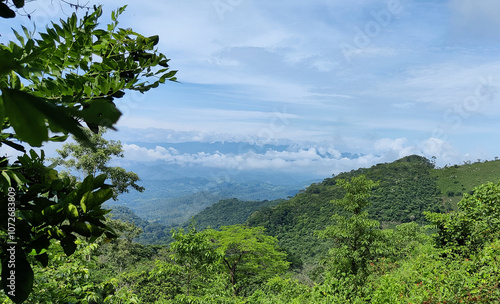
(320, 161)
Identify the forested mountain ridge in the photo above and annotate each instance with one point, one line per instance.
(407, 187)
(229, 212)
(224, 212)
(173, 202)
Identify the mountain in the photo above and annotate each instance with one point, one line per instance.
(407, 188)
(173, 202)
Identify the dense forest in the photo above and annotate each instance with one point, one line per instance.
(302, 250)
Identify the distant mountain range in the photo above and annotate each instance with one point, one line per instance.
(408, 187)
(174, 201)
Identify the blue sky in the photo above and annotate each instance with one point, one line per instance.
(383, 79)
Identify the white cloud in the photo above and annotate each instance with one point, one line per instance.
(314, 159)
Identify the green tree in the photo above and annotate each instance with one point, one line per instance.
(354, 234)
(69, 279)
(476, 223)
(55, 81)
(194, 251)
(120, 253)
(249, 256)
(157, 285)
(93, 159)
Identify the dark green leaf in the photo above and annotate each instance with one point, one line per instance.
(86, 229)
(155, 39)
(101, 112)
(58, 138)
(6, 12)
(14, 145)
(25, 113)
(71, 211)
(18, 3)
(28, 123)
(43, 259)
(99, 180)
(68, 244)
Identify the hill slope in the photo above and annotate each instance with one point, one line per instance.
(406, 189)
(229, 212)
(173, 202)
(454, 181)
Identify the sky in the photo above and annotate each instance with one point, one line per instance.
(379, 79)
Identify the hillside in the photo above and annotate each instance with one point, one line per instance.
(173, 202)
(229, 212)
(407, 187)
(454, 181)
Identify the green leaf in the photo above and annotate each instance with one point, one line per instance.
(85, 200)
(27, 115)
(100, 33)
(68, 244)
(58, 138)
(17, 275)
(28, 123)
(19, 37)
(87, 185)
(51, 210)
(71, 211)
(101, 112)
(43, 259)
(155, 39)
(101, 196)
(99, 180)
(86, 229)
(13, 145)
(8, 62)
(17, 177)
(7, 177)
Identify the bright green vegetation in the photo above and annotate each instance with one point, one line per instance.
(454, 181)
(454, 260)
(405, 189)
(353, 238)
(223, 213)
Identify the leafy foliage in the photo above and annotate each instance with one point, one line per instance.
(229, 212)
(45, 208)
(93, 159)
(355, 235)
(476, 223)
(70, 74)
(405, 189)
(248, 256)
(194, 252)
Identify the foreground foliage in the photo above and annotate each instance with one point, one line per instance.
(51, 83)
(240, 264)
